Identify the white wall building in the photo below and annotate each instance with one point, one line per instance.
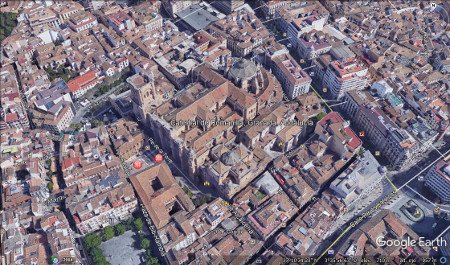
(438, 179)
(293, 79)
(341, 77)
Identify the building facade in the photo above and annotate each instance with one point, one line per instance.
(438, 179)
(293, 79)
(343, 76)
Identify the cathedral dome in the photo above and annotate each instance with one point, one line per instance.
(229, 158)
(243, 69)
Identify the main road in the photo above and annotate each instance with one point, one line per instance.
(397, 181)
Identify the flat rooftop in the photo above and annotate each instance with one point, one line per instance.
(199, 17)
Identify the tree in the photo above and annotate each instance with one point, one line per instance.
(108, 233)
(188, 192)
(96, 123)
(92, 241)
(97, 255)
(320, 115)
(129, 223)
(138, 224)
(145, 243)
(152, 261)
(120, 229)
(200, 200)
(148, 254)
(103, 262)
(8, 20)
(361, 151)
(50, 186)
(76, 126)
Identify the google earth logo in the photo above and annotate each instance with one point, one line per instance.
(54, 260)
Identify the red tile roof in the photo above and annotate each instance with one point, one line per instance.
(81, 81)
(11, 117)
(11, 96)
(334, 117)
(70, 162)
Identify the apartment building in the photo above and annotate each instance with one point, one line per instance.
(87, 155)
(438, 179)
(304, 235)
(40, 15)
(79, 85)
(344, 76)
(82, 21)
(272, 214)
(387, 226)
(172, 7)
(243, 31)
(120, 21)
(398, 136)
(361, 176)
(65, 9)
(270, 7)
(61, 237)
(294, 80)
(146, 14)
(56, 119)
(314, 43)
(105, 209)
(330, 148)
(12, 112)
(395, 144)
(227, 6)
(302, 17)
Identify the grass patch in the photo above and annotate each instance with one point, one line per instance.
(7, 23)
(260, 195)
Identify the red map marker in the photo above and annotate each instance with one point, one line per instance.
(158, 158)
(137, 164)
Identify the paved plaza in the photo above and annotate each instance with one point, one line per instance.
(121, 249)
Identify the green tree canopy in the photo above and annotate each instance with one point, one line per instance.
(120, 229)
(98, 257)
(92, 241)
(145, 243)
(152, 261)
(108, 233)
(50, 186)
(138, 224)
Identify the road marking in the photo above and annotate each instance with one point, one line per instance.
(392, 184)
(437, 150)
(423, 197)
(426, 168)
(441, 234)
(332, 244)
(396, 191)
(326, 104)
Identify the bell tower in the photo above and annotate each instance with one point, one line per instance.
(142, 87)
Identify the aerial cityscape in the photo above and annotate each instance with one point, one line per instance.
(144, 132)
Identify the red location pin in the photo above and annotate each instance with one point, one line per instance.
(137, 164)
(158, 158)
